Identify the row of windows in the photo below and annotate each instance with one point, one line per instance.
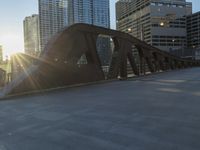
(168, 5)
(127, 8)
(170, 26)
(169, 41)
(168, 44)
(144, 20)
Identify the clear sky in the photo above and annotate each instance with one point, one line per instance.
(13, 12)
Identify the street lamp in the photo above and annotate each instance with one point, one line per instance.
(172, 48)
(129, 29)
(173, 42)
(162, 24)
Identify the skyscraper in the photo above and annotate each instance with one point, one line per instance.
(161, 23)
(31, 35)
(52, 18)
(54, 15)
(96, 12)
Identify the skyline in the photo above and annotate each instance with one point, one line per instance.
(11, 31)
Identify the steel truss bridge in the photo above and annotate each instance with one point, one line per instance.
(58, 65)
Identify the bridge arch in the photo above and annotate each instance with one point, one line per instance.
(58, 63)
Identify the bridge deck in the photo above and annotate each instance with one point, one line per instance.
(152, 113)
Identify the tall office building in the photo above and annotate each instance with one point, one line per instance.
(56, 14)
(193, 38)
(193, 30)
(161, 23)
(96, 12)
(52, 18)
(31, 35)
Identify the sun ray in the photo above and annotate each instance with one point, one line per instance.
(12, 43)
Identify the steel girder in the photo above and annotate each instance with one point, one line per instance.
(58, 64)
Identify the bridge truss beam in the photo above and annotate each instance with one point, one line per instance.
(58, 64)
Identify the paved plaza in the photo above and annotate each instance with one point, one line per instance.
(157, 112)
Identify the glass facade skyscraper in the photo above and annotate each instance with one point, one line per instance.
(52, 18)
(31, 35)
(54, 15)
(94, 12)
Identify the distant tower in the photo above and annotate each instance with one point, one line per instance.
(31, 35)
(52, 18)
(1, 54)
(96, 12)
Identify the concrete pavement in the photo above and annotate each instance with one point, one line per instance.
(152, 113)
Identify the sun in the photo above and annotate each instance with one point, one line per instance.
(11, 44)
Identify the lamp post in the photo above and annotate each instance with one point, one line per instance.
(173, 42)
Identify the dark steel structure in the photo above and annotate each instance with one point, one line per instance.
(58, 64)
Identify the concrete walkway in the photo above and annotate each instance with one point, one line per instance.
(159, 112)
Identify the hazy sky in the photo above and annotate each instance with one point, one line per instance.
(13, 12)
